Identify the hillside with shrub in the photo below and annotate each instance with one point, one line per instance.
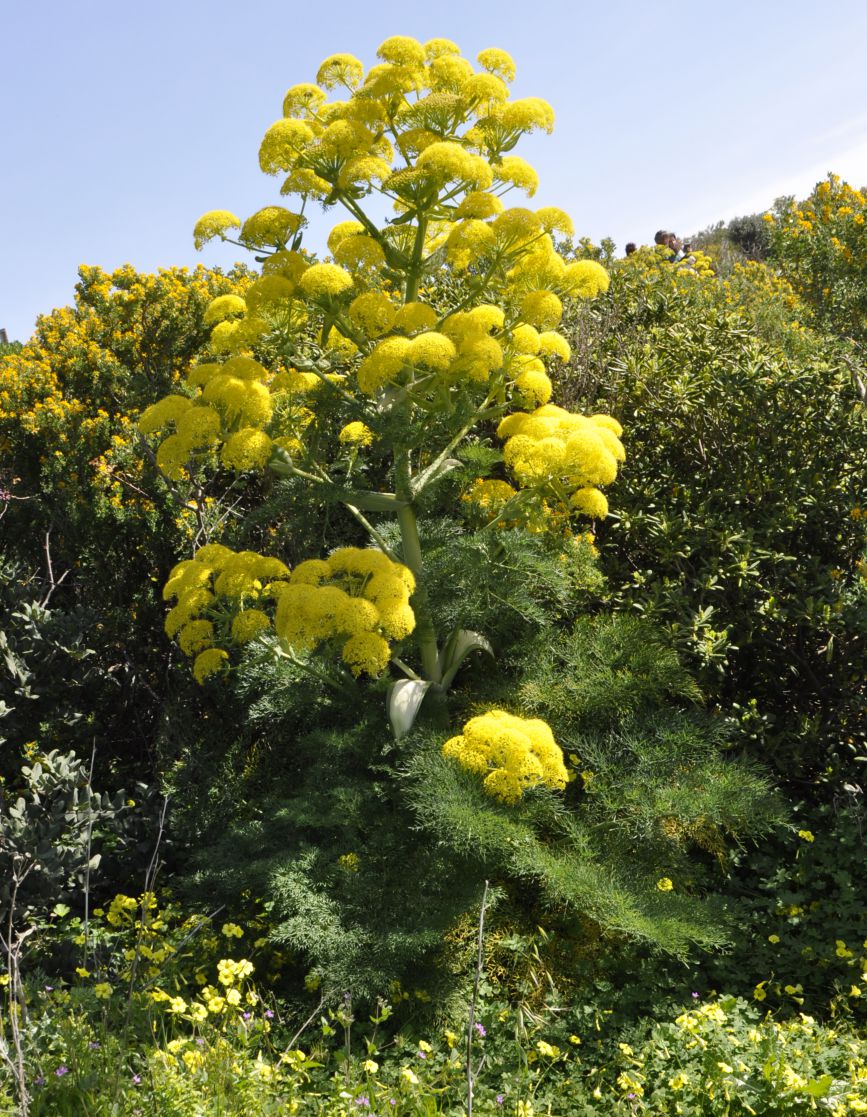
(434, 667)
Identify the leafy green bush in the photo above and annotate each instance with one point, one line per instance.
(802, 904)
(87, 523)
(736, 529)
(750, 234)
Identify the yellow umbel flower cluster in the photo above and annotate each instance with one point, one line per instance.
(236, 400)
(220, 585)
(512, 753)
(564, 455)
(357, 597)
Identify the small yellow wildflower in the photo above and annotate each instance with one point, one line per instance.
(549, 1050)
(665, 884)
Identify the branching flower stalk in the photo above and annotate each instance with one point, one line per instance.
(414, 333)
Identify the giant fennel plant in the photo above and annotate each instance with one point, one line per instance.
(405, 381)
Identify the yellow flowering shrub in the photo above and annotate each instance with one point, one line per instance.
(821, 247)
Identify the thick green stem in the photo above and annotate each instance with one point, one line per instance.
(414, 272)
(425, 633)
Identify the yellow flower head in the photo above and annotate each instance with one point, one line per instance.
(325, 281)
(373, 312)
(359, 252)
(415, 316)
(479, 204)
(366, 652)
(534, 385)
(283, 144)
(401, 50)
(302, 100)
(209, 662)
(340, 69)
(224, 306)
(271, 226)
(384, 363)
(584, 279)
(248, 624)
(497, 62)
(515, 171)
(356, 434)
(246, 449)
(432, 350)
(341, 231)
(358, 596)
(541, 309)
(215, 223)
(511, 753)
(159, 415)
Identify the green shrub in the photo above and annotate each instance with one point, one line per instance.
(739, 531)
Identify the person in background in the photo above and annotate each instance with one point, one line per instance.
(676, 246)
(630, 248)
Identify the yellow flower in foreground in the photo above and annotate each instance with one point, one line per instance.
(82, 972)
(511, 753)
(232, 930)
(103, 990)
(370, 1066)
(759, 993)
(409, 1076)
(664, 884)
(806, 835)
(209, 662)
(773, 938)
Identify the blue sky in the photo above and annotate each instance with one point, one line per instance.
(122, 123)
